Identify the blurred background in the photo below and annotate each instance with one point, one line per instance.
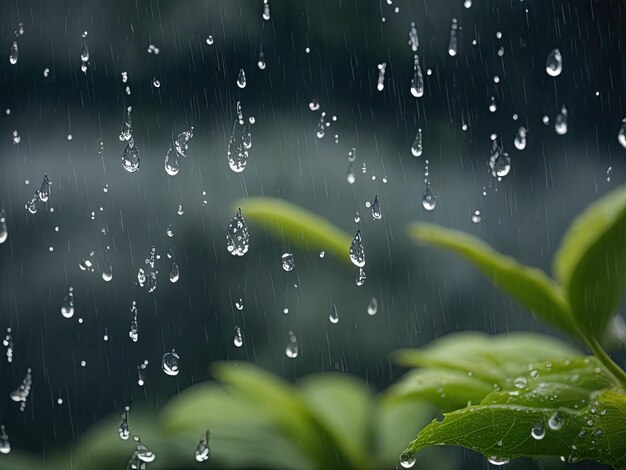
(85, 368)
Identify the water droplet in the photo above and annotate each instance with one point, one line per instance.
(133, 333)
(143, 453)
(203, 452)
(476, 218)
(538, 431)
(357, 251)
(520, 382)
(520, 138)
(5, 446)
(417, 83)
(67, 308)
(416, 148)
(241, 79)
(288, 263)
(20, 395)
(429, 200)
(127, 125)
(209, 40)
(407, 460)
(156, 83)
(453, 43)
(621, 135)
(4, 232)
(554, 63)
(174, 272)
(291, 350)
(375, 207)
(261, 63)
(492, 105)
(361, 277)
(560, 123)
(334, 315)
(31, 205)
(238, 339)
(413, 39)
(238, 143)
(381, 76)
(498, 461)
(239, 304)
(372, 307)
(556, 421)
(44, 192)
(237, 236)
(172, 165)
(169, 363)
(266, 10)
(123, 430)
(13, 54)
(130, 157)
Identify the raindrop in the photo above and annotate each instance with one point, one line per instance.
(621, 135)
(133, 333)
(556, 421)
(7, 342)
(498, 461)
(13, 55)
(238, 143)
(5, 446)
(237, 236)
(381, 76)
(413, 40)
(314, 105)
(334, 316)
(266, 10)
(417, 83)
(123, 430)
(416, 148)
(174, 273)
(291, 350)
(261, 63)
(239, 304)
(238, 339)
(169, 363)
(538, 431)
(453, 44)
(67, 308)
(520, 382)
(361, 277)
(241, 79)
(372, 307)
(492, 105)
(476, 218)
(20, 395)
(31, 205)
(375, 206)
(554, 63)
(130, 157)
(44, 191)
(407, 460)
(156, 83)
(357, 252)
(84, 50)
(429, 200)
(172, 165)
(127, 125)
(520, 138)
(4, 232)
(142, 452)
(209, 40)
(560, 123)
(203, 451)
(288, 263)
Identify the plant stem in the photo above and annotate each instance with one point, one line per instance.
(600, 353)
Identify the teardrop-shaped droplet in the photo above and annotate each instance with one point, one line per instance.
(237, 236)
(127, 125)
(182, 142)
(520, 138)
(238, 339)
(498, 461)
(291, 350)
(174, 272)
(554, 63)
(84, 50)
(133, 333)
(143, 453)
(556, 421)
(123, 429)
(361, 277)
(502, 165)
(13, 55)
(169, 363)
(203, 451)
(261, 63)
(407, 460)
(375, 207)
(381, 76)
(372, 307)
(416, 148)
(288, 262)
(334, 315)
(266, 11)
(67, 308)
(538, 431)
(413, 39)
(172, 165)
(238, 144)
(560, 123)
(5, 446)
(453, 43)
(44, 192)
(621, 135)
(241, 79)
(20, 394)
(4, 232)
(130, 157)
(429, 200)
(350, 173)
(417, 83)
(31, 205)
(357, 251)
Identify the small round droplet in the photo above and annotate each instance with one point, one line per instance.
(429, 200)
(556, 421)
(288, 262)
(156, 83)
(538, 431)
(169, 363)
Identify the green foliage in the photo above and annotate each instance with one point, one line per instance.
(288, 221)
(569, 402)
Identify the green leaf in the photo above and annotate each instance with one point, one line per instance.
(531, 287)
(298, 225)
(591, 262)
(502, 429)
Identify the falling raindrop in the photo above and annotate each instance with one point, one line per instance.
(291, 350)
(413, 40)
(133, 333)
(314, 105)
(416, 148)
(174, 272)
(20, 395)
(156, 83)
(130, 157)
(4, 232)
(261, 63)
(621, 135)
(429, 200)
(237, 236)
(241, 79)
(5, 446)
(357, 251)
(31, 205)
(7, 342)
(560, 123)
(288, 262)
(13, 55)
(203, 451)
(554, 63)
(520, 138)
(127, 125)
(453, 43)
(372, 307)
(361, 277)
(44, 191)
(238, 143)
(172, 165)
(266, 10)
(67, 308)
(169, 363)
(123, 430)
(142, 452)
(407, 460)
(375, 206)
(209, 40)
(417, 83)
(238, 339)
(381, 76)
(476, 218)
(334, 316)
